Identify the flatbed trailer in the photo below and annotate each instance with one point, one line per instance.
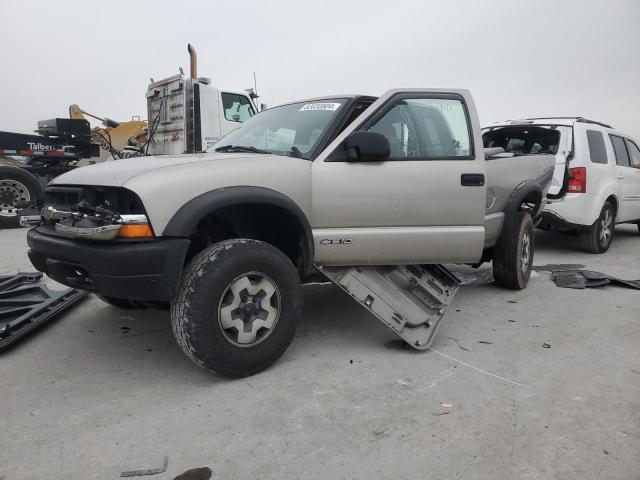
(28, 162)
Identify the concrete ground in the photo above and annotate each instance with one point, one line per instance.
(86, 398)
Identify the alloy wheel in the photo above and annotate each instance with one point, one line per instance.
(249, 309)
(606, 228)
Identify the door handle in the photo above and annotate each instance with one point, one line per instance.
(472, 179)
(620, 177)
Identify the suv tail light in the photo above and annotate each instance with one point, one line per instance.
(578, 180)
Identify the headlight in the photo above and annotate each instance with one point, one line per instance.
(97, 213)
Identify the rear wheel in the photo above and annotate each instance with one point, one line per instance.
(513, 256)
(237, 307)
(16, 186)
(598, 238)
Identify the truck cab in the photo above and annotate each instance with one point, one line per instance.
(188, 115)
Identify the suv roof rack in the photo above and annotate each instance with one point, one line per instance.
(577, 119)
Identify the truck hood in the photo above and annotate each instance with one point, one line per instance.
(117, 172)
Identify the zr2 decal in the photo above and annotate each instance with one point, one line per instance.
(336, 241)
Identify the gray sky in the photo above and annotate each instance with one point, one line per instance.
(519, 58)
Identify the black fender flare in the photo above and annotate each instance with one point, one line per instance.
(186, 219)
(522, 191)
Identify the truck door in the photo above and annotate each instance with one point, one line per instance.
(628, 179)
(425, 204)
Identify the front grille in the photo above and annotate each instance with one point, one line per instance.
(116, 199)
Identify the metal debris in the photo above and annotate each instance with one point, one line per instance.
(147, 471)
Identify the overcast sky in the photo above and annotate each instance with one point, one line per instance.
(518, 57)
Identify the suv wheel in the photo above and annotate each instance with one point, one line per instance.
(237, 307)
(16, 185)
(598, 238)
(513, 256)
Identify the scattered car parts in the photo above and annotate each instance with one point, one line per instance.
(26, 304)
(409, 299)
(581, 279)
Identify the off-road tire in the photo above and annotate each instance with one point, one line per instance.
(509, 270)
(195, 310)
(591, 240)
(119, 302)
(27, 180)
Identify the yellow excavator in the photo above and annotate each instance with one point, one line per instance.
(116, 139)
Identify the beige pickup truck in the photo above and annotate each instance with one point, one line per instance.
(375, 193)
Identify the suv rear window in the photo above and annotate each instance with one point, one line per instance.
(524, 140)
(622, 156)
(634, 152)
(597, 150)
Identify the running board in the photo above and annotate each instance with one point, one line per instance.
(409, 299)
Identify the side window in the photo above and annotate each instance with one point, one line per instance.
(634, 152)
(597, 149)
(237, 108)
(424, 128)
(622, 156)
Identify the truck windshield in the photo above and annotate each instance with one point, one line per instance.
(291, 130)
(524, 140)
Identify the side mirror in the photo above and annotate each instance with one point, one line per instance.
(367, 147)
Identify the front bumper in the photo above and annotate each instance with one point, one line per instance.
(145, 271)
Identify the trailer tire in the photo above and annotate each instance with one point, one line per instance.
(16, 185)
(513, 256)
(237, 308)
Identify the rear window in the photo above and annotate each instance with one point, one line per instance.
(622, 156)
(634, 152)
(524, 140)
(597, 150)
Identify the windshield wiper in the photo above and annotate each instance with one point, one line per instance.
(240, 148)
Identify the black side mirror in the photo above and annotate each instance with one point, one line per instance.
(367, 147)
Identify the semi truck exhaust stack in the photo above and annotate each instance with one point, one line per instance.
(193, 62)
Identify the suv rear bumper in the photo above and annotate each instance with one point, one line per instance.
(146, 271)
(552, 221)
(576, 210)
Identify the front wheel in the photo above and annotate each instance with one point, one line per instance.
(16, 186)
(598, 238)
(237, 308)
(513, 256)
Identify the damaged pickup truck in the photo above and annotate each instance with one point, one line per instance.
(375, 193)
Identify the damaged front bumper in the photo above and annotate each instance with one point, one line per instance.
(142, 270)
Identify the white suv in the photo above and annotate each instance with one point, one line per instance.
(602, 167)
